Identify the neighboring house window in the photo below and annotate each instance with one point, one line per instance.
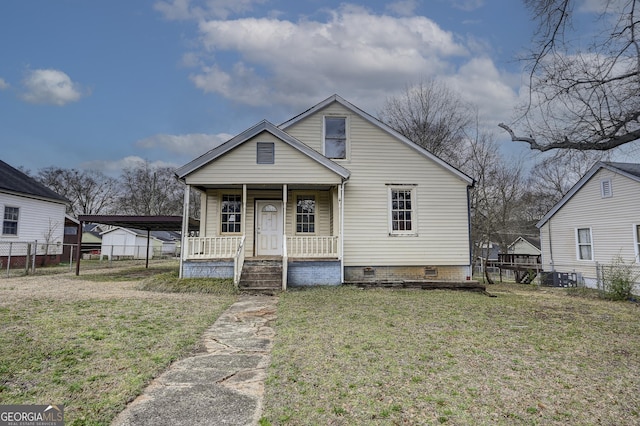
(636, 237)
(335, 137)
(605, 188)
(231, 213)
(306, 214)
(10, 223)
(266, 153)
(402, 204)
(585, 247)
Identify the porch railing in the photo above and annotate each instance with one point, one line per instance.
(238, 263)
(313, 246)
(212, 247)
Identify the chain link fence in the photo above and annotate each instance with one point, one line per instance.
(18, 258)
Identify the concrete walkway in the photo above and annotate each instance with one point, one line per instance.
(223, 386)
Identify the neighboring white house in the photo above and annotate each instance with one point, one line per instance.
(119, 242)
(30, 212)
(335, 194)
(595, 222)
(525, 245)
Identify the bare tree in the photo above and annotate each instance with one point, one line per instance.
(583, 96)
(148, 190)
(432, 116)
(90, 191)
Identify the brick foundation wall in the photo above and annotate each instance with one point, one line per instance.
(302, 274)
(405, 273)
(207, 269)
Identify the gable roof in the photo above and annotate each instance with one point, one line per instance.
(535, 242)
(630, 170)
(13, 180)
(263, 126)
(364, 115)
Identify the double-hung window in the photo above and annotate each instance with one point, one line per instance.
(402, 211)
(231, 210)
(306, 214)
(584, 244)
(335, 137)
(10, 222)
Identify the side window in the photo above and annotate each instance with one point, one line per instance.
(402, 214)
(231, 210)
(335, 137)
(306, 214)
(10, 222)
(636, 239)
(584, 244)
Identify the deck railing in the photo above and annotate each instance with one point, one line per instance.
(212, 247)
(313, 246)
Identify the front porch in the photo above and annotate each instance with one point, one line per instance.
(299, 226)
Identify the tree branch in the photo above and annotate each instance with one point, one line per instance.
(603, 145)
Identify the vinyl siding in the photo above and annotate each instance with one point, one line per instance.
(376, 159)
(239, 166)
(37, 220)
(611, 221)
(323, 212)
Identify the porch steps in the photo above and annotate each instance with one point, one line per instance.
(261, 275)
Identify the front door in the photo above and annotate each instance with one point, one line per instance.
(269, 228)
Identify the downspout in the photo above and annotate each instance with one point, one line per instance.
(185, 228)
(470, 267)
(79, 247)
(341, 208)
(553, 265)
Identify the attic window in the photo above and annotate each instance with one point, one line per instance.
(605, 188)
(335, 137)
(265, 153)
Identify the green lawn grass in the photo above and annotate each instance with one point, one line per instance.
(345, 356)
(96, 354)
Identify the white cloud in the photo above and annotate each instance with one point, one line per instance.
(189, 145)
(49, 86)
(353, 51)
(3, 84)
(467, 5)
(114, 167)
(197, 10)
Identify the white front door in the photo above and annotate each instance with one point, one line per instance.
(269, 228)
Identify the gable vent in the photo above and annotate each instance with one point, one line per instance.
(605, 188)
(266, 153)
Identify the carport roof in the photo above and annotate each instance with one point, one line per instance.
(148, 223)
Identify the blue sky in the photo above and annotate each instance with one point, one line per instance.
(104, 83)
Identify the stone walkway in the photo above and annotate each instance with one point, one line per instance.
(223, 386)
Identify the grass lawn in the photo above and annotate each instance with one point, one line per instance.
(94, 343)
(345, 356)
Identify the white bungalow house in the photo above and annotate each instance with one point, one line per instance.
(33, 218)
(595, 222)
(331, 196)
(120, 242)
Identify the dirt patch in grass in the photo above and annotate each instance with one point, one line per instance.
(345, 356)
(93, 344)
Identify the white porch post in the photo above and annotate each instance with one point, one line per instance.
(185, 226)
(244, 208)
(285, 255)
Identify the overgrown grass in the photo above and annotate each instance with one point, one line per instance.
(169, 282)
(345, 356)
(94, 355)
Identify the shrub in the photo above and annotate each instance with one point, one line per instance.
(618, 279)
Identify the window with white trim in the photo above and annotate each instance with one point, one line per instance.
(636, 240)
(584, 244)
(402, 211)
(231, 211)
(335, 137)
(10, 222)
(306, 214)
(606, 191)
